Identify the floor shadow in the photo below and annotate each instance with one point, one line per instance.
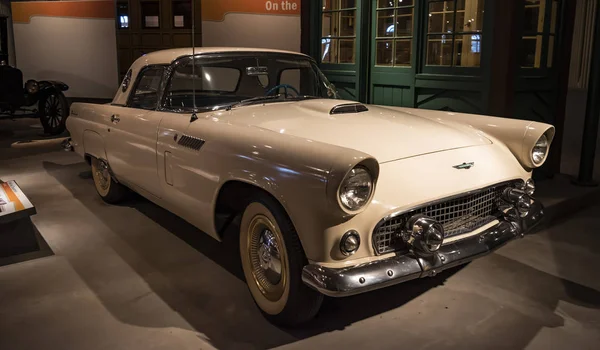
(226, 330)
(41, 250)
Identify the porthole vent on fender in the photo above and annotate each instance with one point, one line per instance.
(190, 142)
(349, 108)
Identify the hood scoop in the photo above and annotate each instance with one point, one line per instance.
(347, 108)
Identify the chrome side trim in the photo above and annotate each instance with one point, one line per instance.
(400, 268)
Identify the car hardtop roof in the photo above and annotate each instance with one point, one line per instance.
(170, 55)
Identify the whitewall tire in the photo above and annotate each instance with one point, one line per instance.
(272, 260)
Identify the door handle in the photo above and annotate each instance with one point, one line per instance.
(115, 118)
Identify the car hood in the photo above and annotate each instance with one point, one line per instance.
(384, 133)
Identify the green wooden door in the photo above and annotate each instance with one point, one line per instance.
(339, 47)
(393, 52)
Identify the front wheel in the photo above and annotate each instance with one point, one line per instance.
(53, 111)
(272, 259)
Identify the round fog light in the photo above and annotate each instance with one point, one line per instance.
(350, 242)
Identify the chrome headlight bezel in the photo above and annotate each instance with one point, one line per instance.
(343, 202)
(539, 151)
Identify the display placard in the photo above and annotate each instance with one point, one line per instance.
(13, 202)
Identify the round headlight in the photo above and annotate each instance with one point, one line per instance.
(529, 187)
(540, 150)
(356, 189)
(32, 87)
(350, 242)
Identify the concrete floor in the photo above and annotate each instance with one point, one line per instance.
(136, 277)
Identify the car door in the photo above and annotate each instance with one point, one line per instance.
(132, 136)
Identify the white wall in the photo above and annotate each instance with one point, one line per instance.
(80, 52)
(253, 30)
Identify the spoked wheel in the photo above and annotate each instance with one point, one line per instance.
(53, 110)
(272, 259)
(109, 190)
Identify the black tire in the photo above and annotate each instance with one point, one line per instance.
(298, 303)
(108, 189)
(53, 109)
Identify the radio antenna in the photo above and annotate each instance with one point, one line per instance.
(194, 117)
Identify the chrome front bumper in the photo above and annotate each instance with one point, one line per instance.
(382, 273)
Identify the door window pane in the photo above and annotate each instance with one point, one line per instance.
(439, 50)
(404, 21)
(145, 95)
(330, 24)
(385, 23)
(534, 16)
(329, 50)
(329, 5)
(348, 4)
(403, 52)
(385, 49)
(346, 50)
(467, 50)
(347, 23)
(553, 17)
(550, 50)
(531, 51)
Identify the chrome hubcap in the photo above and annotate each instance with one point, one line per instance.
(102, 174)
(267, 258)
(270, 261)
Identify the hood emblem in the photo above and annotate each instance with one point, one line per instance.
(464, 165)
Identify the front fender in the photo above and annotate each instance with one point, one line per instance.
(52, 84)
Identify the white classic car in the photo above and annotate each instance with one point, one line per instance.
(335, 197)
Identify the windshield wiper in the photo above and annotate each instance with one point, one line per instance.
(252, 100)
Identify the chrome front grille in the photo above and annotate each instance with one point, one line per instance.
(458, 215)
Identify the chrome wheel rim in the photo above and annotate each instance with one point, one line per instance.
(102, 175)
(268, 261)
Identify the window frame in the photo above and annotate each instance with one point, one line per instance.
(452, 69)
(546, 33)
(138, 79)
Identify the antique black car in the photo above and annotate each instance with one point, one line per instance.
(41, 99)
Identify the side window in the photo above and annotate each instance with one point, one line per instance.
(145, 95)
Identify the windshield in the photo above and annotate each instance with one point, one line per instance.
(215, 82)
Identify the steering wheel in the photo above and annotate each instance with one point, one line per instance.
(285, 89)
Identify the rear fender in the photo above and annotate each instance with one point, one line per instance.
(52, 84)
(93, 144)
